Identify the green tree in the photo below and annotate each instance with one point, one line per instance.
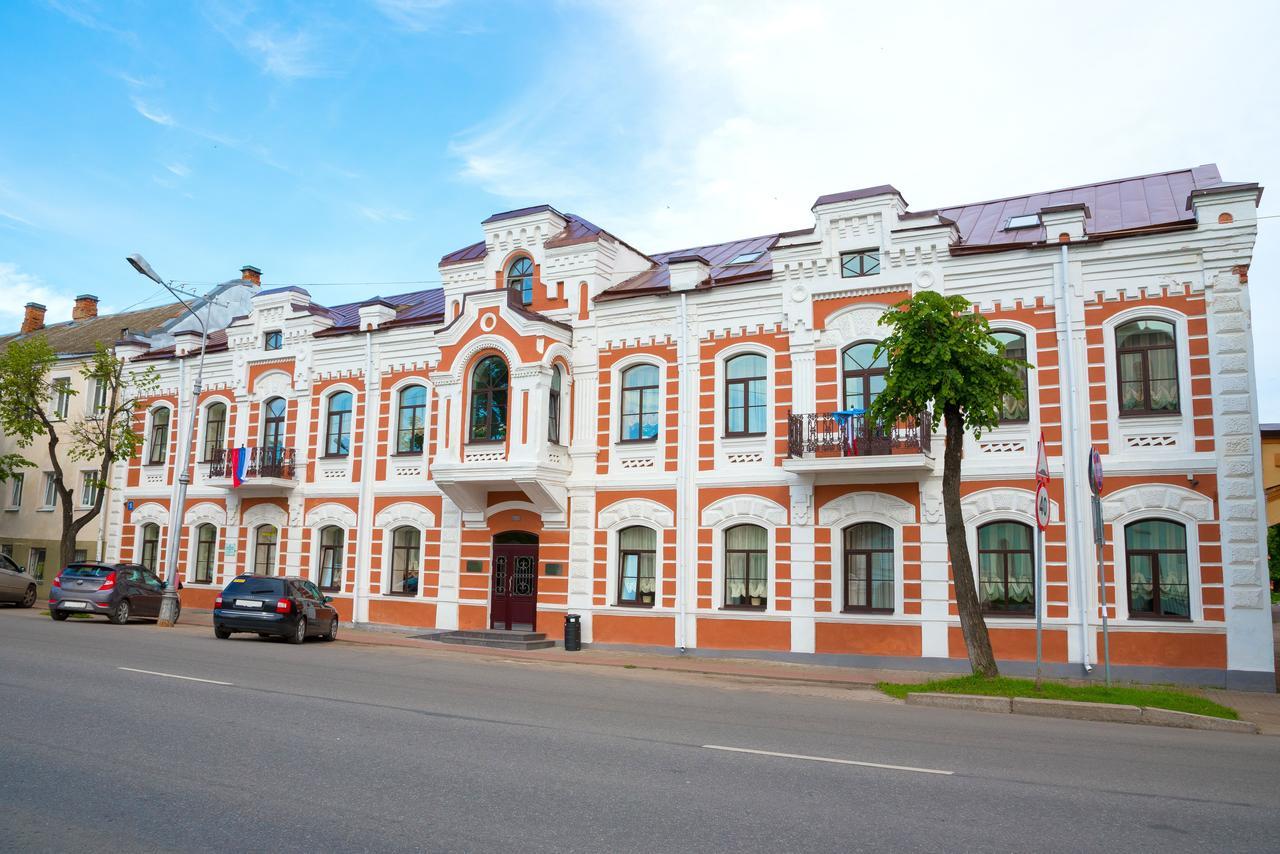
(100, 437)
(944, 360)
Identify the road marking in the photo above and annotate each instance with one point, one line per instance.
(174, 676)
(829, 759)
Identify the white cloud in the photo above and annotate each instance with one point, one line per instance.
(278, 49)
(182, 170)
(151, 113)
(285, 55)
(20, 288)
(87, 14)
(412, 15)
(382, 215)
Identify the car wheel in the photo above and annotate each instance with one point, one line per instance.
(57, 615)
(221, 633)
(332, 634)
(29, 599)
(299, 631)
(120, 613)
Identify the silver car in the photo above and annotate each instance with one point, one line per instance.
(16, 584)
(117, 591)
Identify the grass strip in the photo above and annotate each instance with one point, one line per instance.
(1128, 695)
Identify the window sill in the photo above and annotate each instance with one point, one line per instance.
(45, 509)
(406, 454)
(743, 437)
(644, 606)
(650, 441)
(336, 457)
(1132, 417)
(488, 443)
(400, 594)
(1015, 615)
(13, 509)
(1158, 619)
(872, 611)
(756, 609)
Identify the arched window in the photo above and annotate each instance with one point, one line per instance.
(215, 430)
(405, 550)
(868, 567)
(489, 400)
(331, 538)
(1147, 366)
(1015, 410)
(159, 439)
(1156, 559)
(411, 420)
(150, 546)
(640, 403)
(337, 431)
(637, 564)
(206, 553)
(265, 538)
(1006, 568)
(520, 279)
(864, 374)
(746, 567)
(553, 407)
(745, 397)
(273, 428)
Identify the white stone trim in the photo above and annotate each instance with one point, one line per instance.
(205, 512)
(1190, 514)
(635, 511)
(858, 322)
(264, 514)
(986, 504)
(324, 515)
(866, 506)
(1179, 425)
(627, 449)
(149, 512)
(1158, 498)
(502, 506)
(405, 513)
(744, 508)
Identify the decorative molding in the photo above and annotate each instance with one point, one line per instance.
(405, 513)
(634, 510)
(205, 512)
(1156, 497)
(744, 506)
(858, 504)
(149, 512)
(330, 513)
(1004, 499)
(265, 514)
(859, 322)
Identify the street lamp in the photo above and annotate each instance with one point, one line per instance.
(169, 605)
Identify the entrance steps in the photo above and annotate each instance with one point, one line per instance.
(497, 639)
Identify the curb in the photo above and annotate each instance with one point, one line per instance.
(1068, 709)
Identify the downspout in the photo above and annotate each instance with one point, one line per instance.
(364, 528)
(684, 566)
(1075, 526)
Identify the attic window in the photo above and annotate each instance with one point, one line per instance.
(745, 258)
(273, 340)
(1023, 221)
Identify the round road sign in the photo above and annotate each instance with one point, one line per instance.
(1095, 471)
(1042, 506)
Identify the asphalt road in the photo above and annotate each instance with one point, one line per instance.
(339, 747)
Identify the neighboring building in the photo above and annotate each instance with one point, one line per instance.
(1271, 471)
(30, 521)
(669, 445)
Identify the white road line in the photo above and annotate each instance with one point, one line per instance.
(174, 676)
(829, 759)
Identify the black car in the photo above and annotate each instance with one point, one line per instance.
(274, 606)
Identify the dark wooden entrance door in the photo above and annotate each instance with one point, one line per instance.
(515, 580)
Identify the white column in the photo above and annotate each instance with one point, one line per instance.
(802, 568)
(935, 604)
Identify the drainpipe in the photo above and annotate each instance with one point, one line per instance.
(1071, 418)
(364, 503)
(684, 494)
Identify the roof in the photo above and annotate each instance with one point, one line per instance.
(855, 195)
(77, 337)
(576, 230)
(1269, 431)
(717, 257)
(1122, 205)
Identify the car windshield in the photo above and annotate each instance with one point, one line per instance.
(87, 571)
(253, 587)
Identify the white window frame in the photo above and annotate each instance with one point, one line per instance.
(48, 493)
(717, 566)
(316, 546)
(88, 491)
(1121, 568)
(838, 603)
(725, 444)
(61, 398)
(388, 545)
(97, 407)
(16, 483)
(1182, 424)
(149, 437)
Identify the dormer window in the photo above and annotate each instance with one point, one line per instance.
(1023, 221)
(745, 258)
(520, 279)
(273, 340)
(856, 264)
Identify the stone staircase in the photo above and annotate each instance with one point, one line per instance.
(497, 639)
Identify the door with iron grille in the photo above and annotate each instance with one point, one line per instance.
(514, 580)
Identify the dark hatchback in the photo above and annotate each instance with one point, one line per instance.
(118, 591)
(274, 606)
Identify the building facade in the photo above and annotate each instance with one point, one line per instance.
(673, 445)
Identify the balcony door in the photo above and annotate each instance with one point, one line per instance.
(514, 580)
(864, 378)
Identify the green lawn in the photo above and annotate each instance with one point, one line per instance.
(1003, 686)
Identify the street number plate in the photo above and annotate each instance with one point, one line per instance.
(248, 603)
(73, 605)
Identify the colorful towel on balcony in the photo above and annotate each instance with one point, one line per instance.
(849, 420)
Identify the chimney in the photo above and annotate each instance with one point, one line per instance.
(86, 307)
(251, 274)
(33, 319)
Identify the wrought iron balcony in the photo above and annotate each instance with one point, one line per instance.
(838, 435)
(268, 462)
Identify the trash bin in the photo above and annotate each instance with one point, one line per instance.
(573, 632)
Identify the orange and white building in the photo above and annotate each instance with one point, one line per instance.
(671, 446)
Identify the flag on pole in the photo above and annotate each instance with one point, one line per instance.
(238, 460)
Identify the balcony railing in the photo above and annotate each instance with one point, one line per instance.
(259, 462)
(838, 434)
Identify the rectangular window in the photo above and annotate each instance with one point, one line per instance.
(89, 488)
(50, 492)
(61, 398)
(856, 264)
(273, 340)
(80, 555)
(35, 563)
(99, 407)
(6, 550)
(15, 491)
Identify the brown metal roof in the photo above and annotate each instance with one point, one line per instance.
(717, 256)
(76, 337)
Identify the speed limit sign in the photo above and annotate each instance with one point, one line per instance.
(1042, 506)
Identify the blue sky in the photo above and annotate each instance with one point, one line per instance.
(357, 142)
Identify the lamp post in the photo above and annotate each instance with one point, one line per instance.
(169, 606)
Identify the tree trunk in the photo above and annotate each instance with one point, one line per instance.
(972, 625)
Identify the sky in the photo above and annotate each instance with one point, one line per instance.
(347, 146)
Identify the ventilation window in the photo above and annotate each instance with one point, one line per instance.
(1024, 221)
(745, 258)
